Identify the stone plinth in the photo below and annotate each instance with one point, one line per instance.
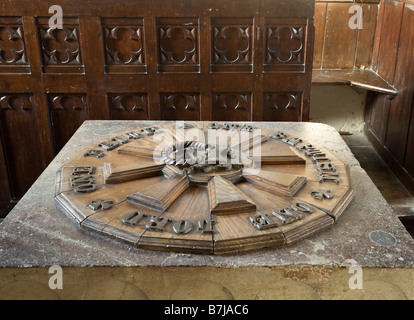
(368, 240)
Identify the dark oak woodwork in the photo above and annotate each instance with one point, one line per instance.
(389, 123)
(337, 46)
(247, 60)
(20, 136)
(67, 113)
(361, 78)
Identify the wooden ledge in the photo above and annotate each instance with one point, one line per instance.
(364, 79)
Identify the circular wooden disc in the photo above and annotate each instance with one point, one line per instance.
(152, 189)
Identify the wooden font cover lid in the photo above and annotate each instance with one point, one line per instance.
(202, 187)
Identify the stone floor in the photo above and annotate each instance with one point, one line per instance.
(391, 188)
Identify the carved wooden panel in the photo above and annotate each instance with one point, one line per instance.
(232, 43)
(124, 45)
(178, 45)
(128, 106)
(60, 48)
(19, 133)
(180, 106)
(285, 45)
(67, 113)
(146, 60)
(282, 106)
(13, 56)
(232, 106)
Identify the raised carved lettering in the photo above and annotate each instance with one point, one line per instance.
(94, 153)
(328, 177)
(101, 204)
(182, 227)
(158, 223)
(133, 218)
(280, 217)
(322, 194)
(287, 215)
(206, 226)
(263, 221)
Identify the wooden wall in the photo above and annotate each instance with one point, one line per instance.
(390, 123)
(233, 60)
(336, 45)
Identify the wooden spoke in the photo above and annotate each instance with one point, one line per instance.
(126, 171)
(275, 182)
(142, 148)
(225, 198)
(275, 152)
(161, 195)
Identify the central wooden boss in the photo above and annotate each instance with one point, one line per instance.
(203, 187)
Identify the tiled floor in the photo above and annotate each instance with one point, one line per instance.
(387, 183)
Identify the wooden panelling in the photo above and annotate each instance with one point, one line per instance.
(231, 106)
(185, 106)
(20, 137)
(400, 109)
(365, 41)
(128, 106)
(337, 46)
(390, 123)
(124, 45)
(67, 113)
(409, 156)
(147, 60)
(390, 34)
(320, 23)
(282, 105)
(377, 38)
(60, 48)
(340, 40)
(13, 55)
(232, 45)
(379, 108)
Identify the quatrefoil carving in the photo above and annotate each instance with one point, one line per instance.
(231, 45)
(178, 45)
(61, 46)
(285, 44)
(11, 45)
(124, 45)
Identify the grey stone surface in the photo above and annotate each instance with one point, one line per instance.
(36, 234)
